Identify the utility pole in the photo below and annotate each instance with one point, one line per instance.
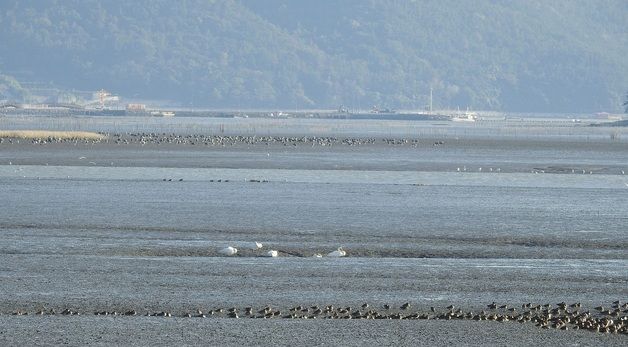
(431, 89)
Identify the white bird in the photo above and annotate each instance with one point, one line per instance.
(317, 255)
(272, 254)
(337, 253)
(229, 250)
(257, 245)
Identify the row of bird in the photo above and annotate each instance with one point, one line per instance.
(145, 138)
(231, 140)
(560, 316)
(231, 251)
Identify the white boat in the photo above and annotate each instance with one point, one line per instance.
(162, 113)
(466, 117)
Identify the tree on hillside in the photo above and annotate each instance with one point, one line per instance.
(626, 104)
(12, 90)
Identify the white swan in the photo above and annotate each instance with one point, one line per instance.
(272, 254)
(337, 253)
(229, 250)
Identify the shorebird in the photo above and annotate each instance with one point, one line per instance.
(257, 245)
(229, 251)
(337, 253)
(272, 254)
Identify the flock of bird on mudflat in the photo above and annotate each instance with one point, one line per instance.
(612, 319)
(151, 138)
(562, 316)
(223, 140)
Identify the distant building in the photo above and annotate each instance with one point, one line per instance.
(609, 116)
(136, 108)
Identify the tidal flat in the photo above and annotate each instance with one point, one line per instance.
(135, 223)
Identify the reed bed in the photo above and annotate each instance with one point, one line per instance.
(44, 134)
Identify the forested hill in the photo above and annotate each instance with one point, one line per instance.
(534, 55)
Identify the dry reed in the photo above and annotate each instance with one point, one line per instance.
(44, 134)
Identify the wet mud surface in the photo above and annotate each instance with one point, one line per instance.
(128, 241)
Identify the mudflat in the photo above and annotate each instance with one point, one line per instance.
(119, 241)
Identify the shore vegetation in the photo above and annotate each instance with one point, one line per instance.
(42, 134)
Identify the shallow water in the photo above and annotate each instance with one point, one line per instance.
(346, 177)
(356, 203)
